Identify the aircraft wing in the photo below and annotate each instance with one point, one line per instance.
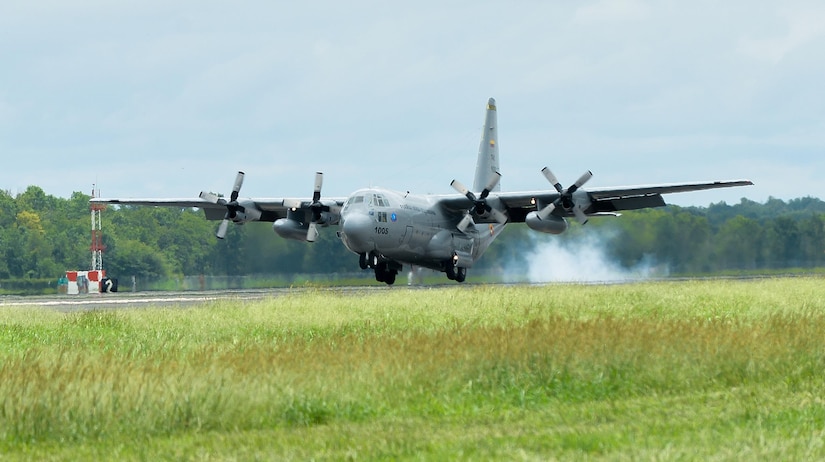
(646, 190)
(271, 208)
(596, 201)
(605, 201)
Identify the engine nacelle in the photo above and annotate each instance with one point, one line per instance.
(247, 211)
(550, 225)
(239, 218)
(326, 219)
(290, 229)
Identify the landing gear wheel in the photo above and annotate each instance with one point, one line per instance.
(389, 278)
(362, 261)
(461, 274)
(381, 272)
(450, 270)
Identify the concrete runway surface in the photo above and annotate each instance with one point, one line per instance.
(125, 300)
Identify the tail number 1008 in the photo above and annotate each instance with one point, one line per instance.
(381, 230)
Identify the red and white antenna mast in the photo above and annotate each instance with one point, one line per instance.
(97, 234)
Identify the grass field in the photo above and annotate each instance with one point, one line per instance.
(703, 370)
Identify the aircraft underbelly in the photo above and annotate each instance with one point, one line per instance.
(414, 235)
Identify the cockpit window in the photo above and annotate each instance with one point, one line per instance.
(378, 200)
(353, 201)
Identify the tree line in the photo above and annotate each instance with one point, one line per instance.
(42, 236)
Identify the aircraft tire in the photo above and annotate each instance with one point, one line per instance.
(450, 270)
(390, 278)
(362, 261)
(461, 274)
(381, 272)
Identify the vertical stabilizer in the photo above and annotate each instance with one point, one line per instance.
(487, 164)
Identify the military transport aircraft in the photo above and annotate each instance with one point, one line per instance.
(448, 233)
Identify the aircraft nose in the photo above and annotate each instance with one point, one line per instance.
(356, 232)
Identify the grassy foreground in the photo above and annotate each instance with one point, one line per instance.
(667, 370)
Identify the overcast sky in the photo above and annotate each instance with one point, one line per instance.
(165, 99)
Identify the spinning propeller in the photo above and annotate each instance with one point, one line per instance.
(316, 207)
(565, 199)
(233, 208)
(480, 205)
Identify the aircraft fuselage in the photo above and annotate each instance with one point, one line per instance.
(389, 229)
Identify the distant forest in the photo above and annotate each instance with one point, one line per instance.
(42, 236)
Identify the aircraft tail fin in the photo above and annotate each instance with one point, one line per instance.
(487, 164)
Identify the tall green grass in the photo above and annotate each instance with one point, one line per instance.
(721, 369)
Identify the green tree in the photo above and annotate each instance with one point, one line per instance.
(35, 249)
(781, 243)
(328, 255)
(738, 244)
(8, 209)
(812, 240)
(134, 258)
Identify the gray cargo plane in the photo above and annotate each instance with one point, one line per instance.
(448, 233)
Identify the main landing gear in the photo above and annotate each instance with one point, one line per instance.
(385, 270)
(455, 273)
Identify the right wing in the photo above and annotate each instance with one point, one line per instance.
(270, 209)
(293, 218)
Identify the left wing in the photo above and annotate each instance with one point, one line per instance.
(602, 201)
(583, 203)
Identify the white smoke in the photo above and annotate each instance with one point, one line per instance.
(580, 258)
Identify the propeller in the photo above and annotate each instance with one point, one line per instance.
(480, 205)
(316, 207)
(232, 207)
(565, 199)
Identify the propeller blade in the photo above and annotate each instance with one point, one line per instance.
(546, 211)
(552, 179)
(319, 181)
(312, 232)
(209, 197)
(491, 185)
(583, 179)
(498, 215)
(458, 186)
(465, 222)
(222, 229)
(580, 215)
(236, 188)
(316, 208)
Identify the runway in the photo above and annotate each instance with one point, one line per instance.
(136, 300)
(130, 300)
(123, 300)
